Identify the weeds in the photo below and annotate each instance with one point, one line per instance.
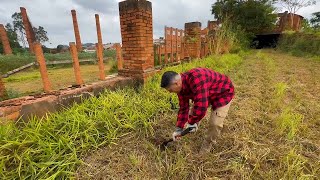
(52, 147)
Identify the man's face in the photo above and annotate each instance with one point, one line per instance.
(174, 87)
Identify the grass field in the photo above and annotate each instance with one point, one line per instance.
(29, 82)
(10, 62)
(272, 131)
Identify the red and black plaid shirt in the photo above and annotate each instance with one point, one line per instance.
(204, 87)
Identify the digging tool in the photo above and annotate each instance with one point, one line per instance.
(165, 143)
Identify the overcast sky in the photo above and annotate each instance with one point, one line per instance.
(55, 16)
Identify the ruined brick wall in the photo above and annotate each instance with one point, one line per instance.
(193, 39)
(173, 44)
(4, 40)
(28, 29)
(285, 22)
(76, 30)
(137, 38)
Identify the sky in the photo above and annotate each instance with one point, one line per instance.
(55, 16)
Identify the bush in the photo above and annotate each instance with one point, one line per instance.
(300, 44)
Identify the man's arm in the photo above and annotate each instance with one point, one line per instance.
(183, 111)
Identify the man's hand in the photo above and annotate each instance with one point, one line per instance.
(193, 126)
(177, 134)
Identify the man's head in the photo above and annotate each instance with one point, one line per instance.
(171, 81)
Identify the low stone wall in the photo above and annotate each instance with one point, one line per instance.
(40, 105)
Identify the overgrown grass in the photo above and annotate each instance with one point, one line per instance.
(52, 147)
(300, 44)
(10, 62)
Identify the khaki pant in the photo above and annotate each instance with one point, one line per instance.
(216, 120)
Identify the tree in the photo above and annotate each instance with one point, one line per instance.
(19, 28)
(254, 16)
(293, 6)
(315, 20)
(12, 36)
(40, 33)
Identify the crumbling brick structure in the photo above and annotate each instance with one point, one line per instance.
(193, 39)
(42, 66)
(76, 65)
(289, 21)
(4, 40)
(76, 30)
(3, 93)
(119, 56)
(137, 38)
(31, 38)
(98, 29)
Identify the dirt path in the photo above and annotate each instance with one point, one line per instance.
(272, 131)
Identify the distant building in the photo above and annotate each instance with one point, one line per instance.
(158, 41)
(289, 21)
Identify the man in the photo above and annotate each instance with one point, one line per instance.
(204, 87)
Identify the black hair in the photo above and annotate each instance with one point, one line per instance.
(167, 78)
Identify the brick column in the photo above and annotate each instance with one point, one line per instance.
(182, 45)
(3, 93)
(171, 45)
(177, 50)
(137, 38)
(99, 51)
(28, 29)
(4, 40)
(76, 30)
(119, 57)
(76, 65)
(98, 29)
(193, 38)
(165, 45)
(42, 66)
(159, 53)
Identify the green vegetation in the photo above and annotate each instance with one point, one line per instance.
(53, 147)
(10, 62)
(300, 44)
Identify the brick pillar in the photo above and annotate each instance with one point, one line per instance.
(165, 45)
(193, 38)
(171, 45)
(42, 66)
(182, 45)
(137, 38)
(76, 65)
(99, 51)
(3, 93)
(119, 57)
(28, 29)
(159, 53)
(177, 50)
(4, 40)
(76, 30)
(98, 29)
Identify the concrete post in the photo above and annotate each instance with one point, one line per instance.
(28, 29)
(5, 41)
(99, 51)
(76, 65)
(76, 30)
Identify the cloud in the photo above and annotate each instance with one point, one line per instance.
(55, 16)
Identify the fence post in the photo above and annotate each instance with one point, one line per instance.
(99, 51)
(76, 65)
(42, 66)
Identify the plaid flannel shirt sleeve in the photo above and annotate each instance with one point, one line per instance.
(183, 111)
(201, 102)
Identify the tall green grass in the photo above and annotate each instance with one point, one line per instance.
(300, 44)
(52, 147)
